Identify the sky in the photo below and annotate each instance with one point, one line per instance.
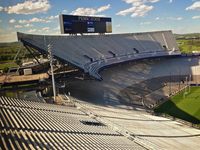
(128, 16)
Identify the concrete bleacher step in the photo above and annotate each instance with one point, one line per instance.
(34, 125)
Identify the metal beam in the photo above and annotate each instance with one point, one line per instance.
(29, 49)
(52, 74)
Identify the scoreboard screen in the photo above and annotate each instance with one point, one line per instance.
(70, 24)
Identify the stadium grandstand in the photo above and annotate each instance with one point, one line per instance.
(111, 112)
(143, 82)
(36, 125)
(30, 125)
(93, 52)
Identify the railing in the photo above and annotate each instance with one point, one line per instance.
(112, 125)
(197, 126)
(94, 67)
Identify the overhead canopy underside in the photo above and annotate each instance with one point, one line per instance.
(93, 52)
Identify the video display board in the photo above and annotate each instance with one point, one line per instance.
(84, 24)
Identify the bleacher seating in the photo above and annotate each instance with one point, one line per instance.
(92, 52)
(34, 125)
(150, 131)
(152, 91)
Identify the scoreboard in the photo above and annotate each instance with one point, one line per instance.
(70, 24)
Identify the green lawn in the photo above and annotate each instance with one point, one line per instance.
(4, 65)
(186, 108)
(8, 52)
(187, 46)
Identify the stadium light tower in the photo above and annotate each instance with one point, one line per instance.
(52, 74)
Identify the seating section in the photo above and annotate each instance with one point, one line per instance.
(92, 52)
(34, 125)
(152, 92)
(151, 131)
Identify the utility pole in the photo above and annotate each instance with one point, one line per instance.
(52, 74)
(185, 92)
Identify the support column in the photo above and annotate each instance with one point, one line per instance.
(52, 74)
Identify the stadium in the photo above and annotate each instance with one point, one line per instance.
(109, 95)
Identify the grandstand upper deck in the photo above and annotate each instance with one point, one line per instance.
(92, 52)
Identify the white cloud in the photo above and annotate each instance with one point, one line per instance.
(47, 21)
(139, 8)
(136, 2)
(145, 23)
(196, 17)
(23, 21)
(18, 26)
(136, 11)
(32, 30)
(175, 18)
(179, 18)
(29, 7)
(118, 25)
(194, 6)
(52, 17)
(28, 25)
(46, 29)
(12, 21)
(64, 11)
(84, 11)
(157, 18)
(33, 20)
(103, 8)
(90, 11)
(40, 20)
(170, 1)
(1, 8)
(36, 20)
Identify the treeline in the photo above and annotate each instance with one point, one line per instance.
(187, 36)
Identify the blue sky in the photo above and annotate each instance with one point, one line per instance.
(41, 16)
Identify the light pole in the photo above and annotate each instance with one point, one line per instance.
(190, 79)
(179, 81)
(186, 83)
(170, 84)
(52, 74)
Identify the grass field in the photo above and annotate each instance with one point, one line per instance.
(10, 64)
(9, 50)
(186, 108)
(187, 46)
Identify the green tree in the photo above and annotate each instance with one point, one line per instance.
(5, 69)
(18, 62)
